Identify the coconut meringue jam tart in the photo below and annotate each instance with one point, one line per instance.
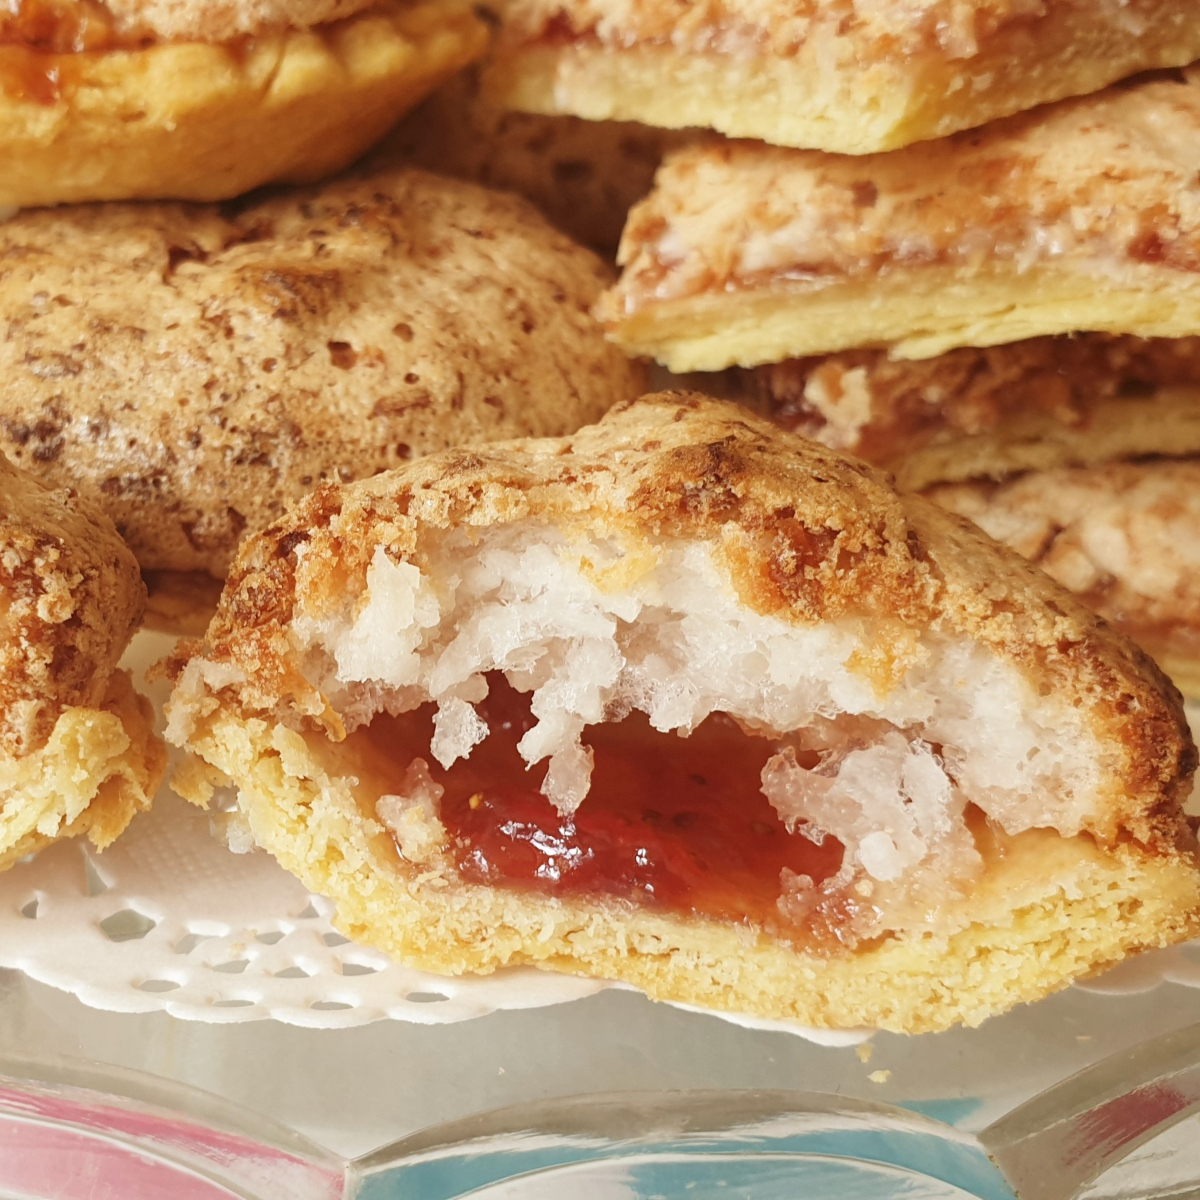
(692, 703)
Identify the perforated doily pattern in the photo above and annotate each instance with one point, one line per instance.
(169, 919)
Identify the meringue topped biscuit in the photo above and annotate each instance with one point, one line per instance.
(192, 369)
(77, 751)
(695, 704)
(149, 99)
(837, 75)
(1082, 216)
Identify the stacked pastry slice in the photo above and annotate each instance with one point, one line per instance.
(1009, 311)
(77, 751)
(687, 701)
(840, 75)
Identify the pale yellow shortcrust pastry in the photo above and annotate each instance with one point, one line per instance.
(1001, 772)
(840, 75)
(78, 755)
(193, 369)
(584, 175)
(156, 105)
(1082, 216)
(1081, 453)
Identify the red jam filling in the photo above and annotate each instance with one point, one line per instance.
(672, 823)
(41, 41)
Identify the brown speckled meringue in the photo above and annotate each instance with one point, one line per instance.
(78, 755)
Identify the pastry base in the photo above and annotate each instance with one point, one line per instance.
(824, 97)
(98, 769)
(197, 121)
(917, 314)
(1047, 909)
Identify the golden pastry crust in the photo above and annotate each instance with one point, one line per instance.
(829, 74)
(990, 413)
(220, 363)
(584, 175)
(99, 767)
(804, 535)
(746, 254)
(77, 750)
(199, 120)
(71, 600)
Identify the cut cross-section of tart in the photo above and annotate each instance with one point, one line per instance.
(78, 755)
(187, 99)
(1081, 216)
(837, 75)
(692, 703)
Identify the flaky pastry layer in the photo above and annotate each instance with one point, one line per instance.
(686, 516)
(98, 768)
(206, 121)
(830, 74)
(748, 254)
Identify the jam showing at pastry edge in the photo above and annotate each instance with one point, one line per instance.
(670, 823)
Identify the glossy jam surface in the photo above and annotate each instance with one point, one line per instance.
(41, 41)
(65, 27)
(671, 823)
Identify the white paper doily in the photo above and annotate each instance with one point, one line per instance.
(169, 919)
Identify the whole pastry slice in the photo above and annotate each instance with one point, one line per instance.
(78, 755)
(1081, 216)
(192, 369)
(1080, 453)
(695, 704)
(841, 75)
(148, 99)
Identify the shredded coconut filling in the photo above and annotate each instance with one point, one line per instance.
(595, 630)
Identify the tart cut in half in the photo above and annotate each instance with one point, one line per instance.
(1081, 453)
(78, 755)
(193, 369)
(831, 74)
(187, 99)
(1081, 216)
(691, 703)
